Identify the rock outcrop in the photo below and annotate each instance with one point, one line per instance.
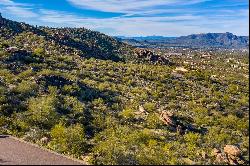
(149, 56)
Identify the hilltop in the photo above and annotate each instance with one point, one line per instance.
(79, 41)
(68, 41)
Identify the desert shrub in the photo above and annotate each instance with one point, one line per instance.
(27, 88)
(127, 113)
(39, 51)
(153, 121)
(150, 107)
(69, 140)
(42, 111)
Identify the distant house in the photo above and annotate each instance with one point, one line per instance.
(174, 54)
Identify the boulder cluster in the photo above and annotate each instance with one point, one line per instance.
(149, 56)
(231, 154)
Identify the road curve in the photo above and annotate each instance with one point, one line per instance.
(16, 152)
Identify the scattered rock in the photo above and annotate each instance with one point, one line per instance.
(204, 155)
(213, 76)
(141, 111)
(180, 70)
(86, 158)
(11, 86)
(188, 161)
(232, 161)
(215, 152)
(206, 56)
(221, 158)
(176, 75)
(45, 140)
(240, 161)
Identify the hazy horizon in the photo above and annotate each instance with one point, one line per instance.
(169, 18)
(172, 36)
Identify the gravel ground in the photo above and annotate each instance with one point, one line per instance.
(16, 152)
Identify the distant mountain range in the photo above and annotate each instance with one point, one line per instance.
(208, 40)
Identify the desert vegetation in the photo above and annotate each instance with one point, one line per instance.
(99, 104)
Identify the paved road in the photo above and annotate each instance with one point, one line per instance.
(16, 152)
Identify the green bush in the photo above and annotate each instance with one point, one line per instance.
(27, 87)
(69, 140)
(43, 111)
(39, 51)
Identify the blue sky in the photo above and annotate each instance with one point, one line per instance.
(134, 17)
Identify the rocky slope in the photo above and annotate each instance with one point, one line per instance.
(64, 41)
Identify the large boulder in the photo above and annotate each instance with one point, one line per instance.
(167, 118)
(232, 150)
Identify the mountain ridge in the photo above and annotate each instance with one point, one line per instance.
(76, 40)
(202, 40)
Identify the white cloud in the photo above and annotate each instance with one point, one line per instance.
(6, 2)
(21, 11)
(127, 6)
(12, 3)
(143, 26)
(17, 9)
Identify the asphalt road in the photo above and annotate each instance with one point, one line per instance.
(16, 152)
